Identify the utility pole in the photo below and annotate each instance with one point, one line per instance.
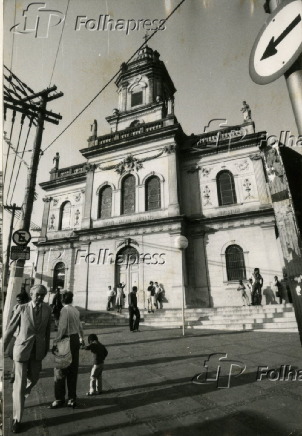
(13, 209)
(42, 115)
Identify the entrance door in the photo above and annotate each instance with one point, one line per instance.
(59, 276)
(128, 271)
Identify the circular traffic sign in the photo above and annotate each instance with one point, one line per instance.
(21, 237)
(278, 44)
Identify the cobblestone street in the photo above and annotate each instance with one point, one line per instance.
(148, 387)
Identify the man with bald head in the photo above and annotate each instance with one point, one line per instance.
(31, 346)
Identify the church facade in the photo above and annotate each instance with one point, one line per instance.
(193, 213)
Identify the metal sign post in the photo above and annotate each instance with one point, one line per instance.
(277, 51)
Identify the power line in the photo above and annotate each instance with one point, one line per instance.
(54, 65)
(23, 151)
(11, 60)
(112, 78)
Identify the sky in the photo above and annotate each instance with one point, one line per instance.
(206, 46)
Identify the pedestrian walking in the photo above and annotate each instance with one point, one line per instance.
(119, 301)
(110, 295)
(278, 289)
(69, 325)
(151, 297)
(21, 298)
(31, 346)
(100, 353)
(257, 286)
(133, 311)
(241, 288)
(57, 307)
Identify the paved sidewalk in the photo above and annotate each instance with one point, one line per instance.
(149, 390)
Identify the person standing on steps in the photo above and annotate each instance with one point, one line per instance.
(111, 295)
(241, 288)
(257, 286)
(279, 289)
(133, 310)
(151, 297)
(119, 301)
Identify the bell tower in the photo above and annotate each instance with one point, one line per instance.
(145, 92)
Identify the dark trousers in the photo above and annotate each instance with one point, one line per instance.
(69, 374)
(134, 324)
(256, 294)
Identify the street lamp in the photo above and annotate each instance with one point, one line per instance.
(182, 243)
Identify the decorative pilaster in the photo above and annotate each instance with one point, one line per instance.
(173, 208)
(86, 221)
(46, 201)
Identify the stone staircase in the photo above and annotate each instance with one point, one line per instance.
(273, 318)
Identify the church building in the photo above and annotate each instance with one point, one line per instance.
(150, 203)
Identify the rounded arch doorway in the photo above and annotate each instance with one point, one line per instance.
(127, 269)
(59, 276)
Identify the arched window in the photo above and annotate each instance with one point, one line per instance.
(226, 188)
(235, 263)
(136, 96)
(128, 195)
(152, 193)
(59, 276)
(65, 215)
(105, 202)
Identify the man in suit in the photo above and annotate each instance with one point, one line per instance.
(31, 346)
(133, 310)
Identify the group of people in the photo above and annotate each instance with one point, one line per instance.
(116, 298)
(155, 294)
(251, 292)
(28, 335)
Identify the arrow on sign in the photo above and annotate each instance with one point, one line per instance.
(271, 48)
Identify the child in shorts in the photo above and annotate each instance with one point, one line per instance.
(99, 352)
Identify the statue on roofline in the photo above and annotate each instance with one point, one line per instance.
(246, 111)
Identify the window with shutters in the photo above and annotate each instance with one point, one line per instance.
(235, 264)
(128, 195)
(105, 202)
(152, 193)
(226, 188)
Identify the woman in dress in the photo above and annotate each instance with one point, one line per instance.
(119, 300)
(69, 325)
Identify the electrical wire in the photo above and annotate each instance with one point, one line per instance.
(16, 154)
(112, 78)
(54, 65)
(12, 55)
(23, 151)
